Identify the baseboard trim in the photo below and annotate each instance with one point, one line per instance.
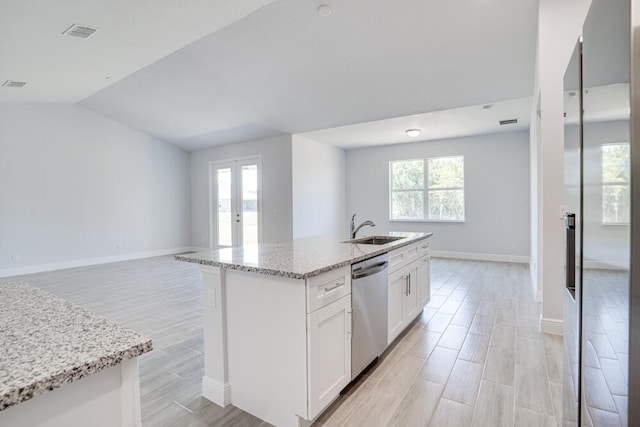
(597, 265)
(199, 249)
(481, 257)
(215, 391)
(19, 271)
(551, 326)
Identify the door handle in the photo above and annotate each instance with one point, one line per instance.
(336, 286)
(350, 322)
(409, 277)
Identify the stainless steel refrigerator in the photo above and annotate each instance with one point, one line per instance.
(602, 226)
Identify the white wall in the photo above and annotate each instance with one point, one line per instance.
(77, 187)
(277, 222)
(319, 189)
(560, 24)
(496, 194)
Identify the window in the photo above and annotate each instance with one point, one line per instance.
(427, 189)
(615, 183)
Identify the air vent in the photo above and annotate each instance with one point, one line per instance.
(11, 83)
(81, 31)
(508, 122)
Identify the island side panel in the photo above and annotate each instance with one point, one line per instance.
(266, 346)
(109, 398)
(215, 384)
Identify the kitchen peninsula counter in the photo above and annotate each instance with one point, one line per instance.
(300, 258)
(59, 362)
(278, 319)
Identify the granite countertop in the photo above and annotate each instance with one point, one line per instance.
(299, 258)
(48, 342)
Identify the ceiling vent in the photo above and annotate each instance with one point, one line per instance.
(81, 31)
(11, 83)
(508, 122)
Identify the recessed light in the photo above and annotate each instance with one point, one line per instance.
(324, 10)
(413, 132)
(11, 83)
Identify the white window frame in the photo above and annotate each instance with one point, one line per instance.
(426, 190)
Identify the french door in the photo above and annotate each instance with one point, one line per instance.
(236, 202)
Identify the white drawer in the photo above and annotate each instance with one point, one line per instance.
(423, 248)
(405, 255)
(328, 287)
(413, 252)
(396, 258)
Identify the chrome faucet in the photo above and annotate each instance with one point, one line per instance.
(353, 229)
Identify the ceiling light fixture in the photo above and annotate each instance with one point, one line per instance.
(324, 10)
(413, 132)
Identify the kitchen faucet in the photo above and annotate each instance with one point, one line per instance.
(353, 229)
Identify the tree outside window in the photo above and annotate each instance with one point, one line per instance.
(615, 183)
(427, 189)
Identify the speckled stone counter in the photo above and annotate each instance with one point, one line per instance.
(48, 342)
(299, 258)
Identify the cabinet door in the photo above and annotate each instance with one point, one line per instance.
(397, 288)
(329, 348)
(410, 307)
(423, 280)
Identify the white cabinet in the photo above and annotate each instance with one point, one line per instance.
(403, 300)
(329, 353)
(408, 286)
(328, 337)
(410, 307)
(395, 319)
(423, 282)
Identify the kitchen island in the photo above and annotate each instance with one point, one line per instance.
(277, 319)
(61, 365)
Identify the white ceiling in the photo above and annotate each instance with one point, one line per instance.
(280, 69)
(458, 122)
(132, 35)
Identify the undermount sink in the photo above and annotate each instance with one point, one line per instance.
(374, 240)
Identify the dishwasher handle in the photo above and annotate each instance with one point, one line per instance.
(369, 271)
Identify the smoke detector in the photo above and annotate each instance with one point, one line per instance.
(81, 31)
(11, 83)
(324, 10)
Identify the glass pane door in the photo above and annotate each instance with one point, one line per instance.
(225, 226)
(236, 203)
(249, 204)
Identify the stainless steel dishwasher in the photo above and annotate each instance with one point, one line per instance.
(369, 295)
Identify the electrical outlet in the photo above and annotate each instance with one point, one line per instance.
(211, 298)
(15, 257)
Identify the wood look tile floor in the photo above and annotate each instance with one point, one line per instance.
(474, 357)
